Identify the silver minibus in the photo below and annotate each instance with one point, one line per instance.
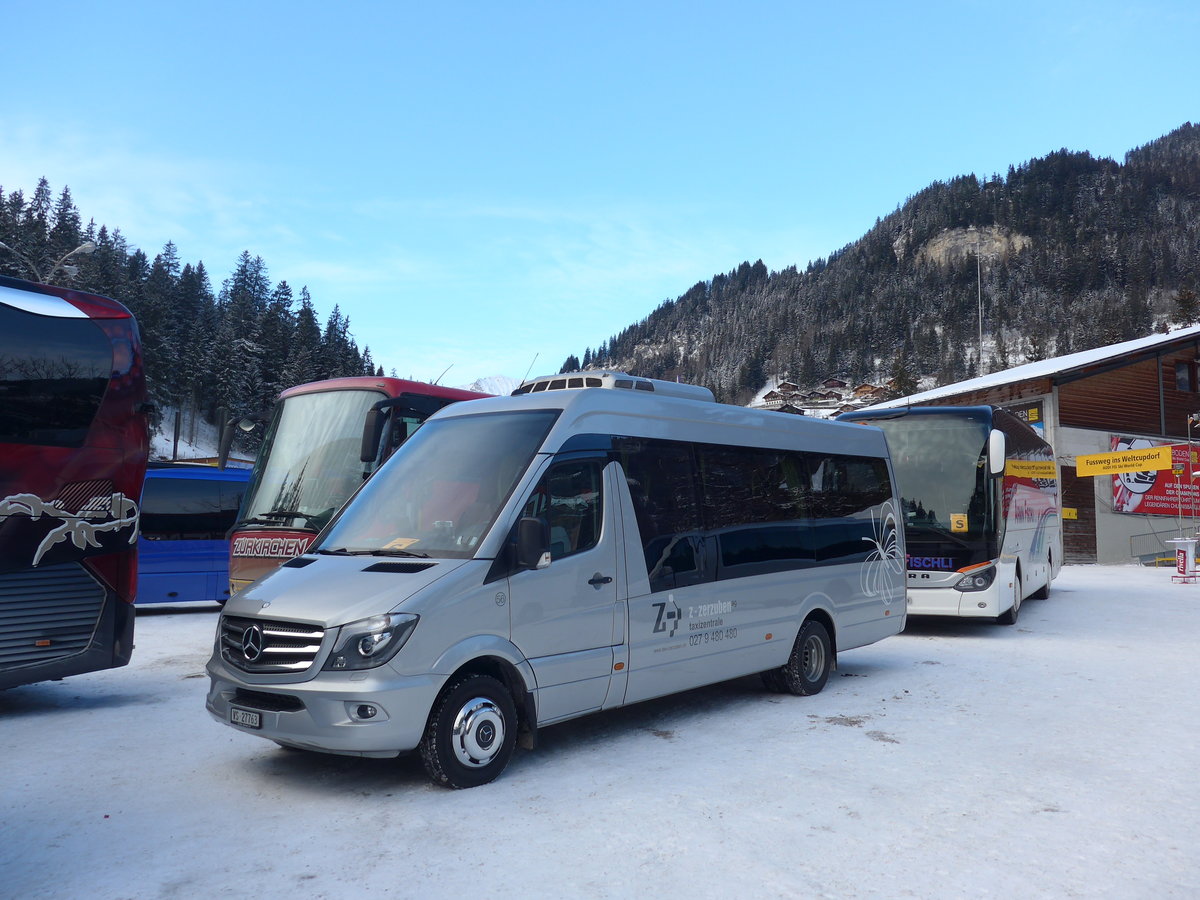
(594, 540)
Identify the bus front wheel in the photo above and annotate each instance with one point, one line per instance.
(471, 732)
(1009, 617)
(807, 669)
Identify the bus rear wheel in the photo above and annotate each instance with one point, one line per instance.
(807, 669)
(471, 733)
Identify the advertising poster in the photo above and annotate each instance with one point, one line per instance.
(1031, 414)
(1168, 492)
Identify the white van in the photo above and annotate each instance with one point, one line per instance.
(592, 541)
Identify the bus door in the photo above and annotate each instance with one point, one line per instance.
(565, 617)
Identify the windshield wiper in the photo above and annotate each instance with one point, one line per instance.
(289, 514)
(346, 551)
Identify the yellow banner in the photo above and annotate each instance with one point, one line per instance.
(1030, 468)
(1070, 512)
(1149, 459)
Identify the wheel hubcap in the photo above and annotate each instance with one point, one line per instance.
(478, 732)
(813, 659)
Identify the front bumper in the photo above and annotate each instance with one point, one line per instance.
(323, 714)
(949, 602)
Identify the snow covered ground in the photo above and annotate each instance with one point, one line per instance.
(1056, 758)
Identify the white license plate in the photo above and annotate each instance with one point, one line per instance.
(247, 718)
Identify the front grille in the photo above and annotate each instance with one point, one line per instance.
(269, 702)
(266, 646)
(47, 613)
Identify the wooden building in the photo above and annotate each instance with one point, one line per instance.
(1093, 402)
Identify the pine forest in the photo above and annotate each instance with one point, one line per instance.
(1063, 253)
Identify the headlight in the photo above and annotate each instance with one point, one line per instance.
(979, 580)
(371, 642)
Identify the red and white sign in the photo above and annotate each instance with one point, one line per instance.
(1169, 492)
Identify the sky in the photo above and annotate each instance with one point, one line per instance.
(1054, 758)
(485, 189)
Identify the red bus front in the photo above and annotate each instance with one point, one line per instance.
(324, 440)
(74, 444)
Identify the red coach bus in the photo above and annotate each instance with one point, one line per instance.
(73, 447)
(324, 439)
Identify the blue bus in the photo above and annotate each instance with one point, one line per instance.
(183, 551)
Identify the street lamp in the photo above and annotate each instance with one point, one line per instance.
(60, 264)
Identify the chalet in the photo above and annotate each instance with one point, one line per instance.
(834, 383)
(866, 391)
(1096, 401)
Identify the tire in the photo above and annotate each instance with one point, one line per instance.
(1009, 617)
(471, 732)
(807, 669)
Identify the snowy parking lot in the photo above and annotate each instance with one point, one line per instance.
(1055, 758)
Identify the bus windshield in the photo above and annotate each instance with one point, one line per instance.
(311, 460)
(53, 375)
(942, 478)
(441, 492)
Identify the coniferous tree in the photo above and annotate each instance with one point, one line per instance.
(1186, 307)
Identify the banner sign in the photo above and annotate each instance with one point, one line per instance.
(1031, 468)
(1148, 459)
(1162, 487)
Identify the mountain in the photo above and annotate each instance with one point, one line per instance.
(1064, 253)
(499, 385)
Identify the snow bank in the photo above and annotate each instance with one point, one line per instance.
(1054, 758)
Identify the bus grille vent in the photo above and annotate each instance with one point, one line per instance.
(266, 646)
(404, 568)
(47, 613)
(266, 701)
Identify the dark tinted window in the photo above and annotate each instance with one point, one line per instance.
(662, 483)
(180, 509)
(708, 511)
(845, 497)
(53, 374)
(754, 503)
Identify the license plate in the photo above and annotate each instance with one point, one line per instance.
(247, 718)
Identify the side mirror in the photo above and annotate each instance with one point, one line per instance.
(225, 443)
(996, 452)
(244, 423)
(372, 433)
(533, 543)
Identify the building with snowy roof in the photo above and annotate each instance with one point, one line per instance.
(1137, 393)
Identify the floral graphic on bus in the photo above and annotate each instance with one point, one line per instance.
(110, 513)
(885, 563)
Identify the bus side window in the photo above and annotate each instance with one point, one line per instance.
(662, 484)
(569, 498)
(847, 494)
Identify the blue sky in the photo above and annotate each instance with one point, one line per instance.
(477, 184)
